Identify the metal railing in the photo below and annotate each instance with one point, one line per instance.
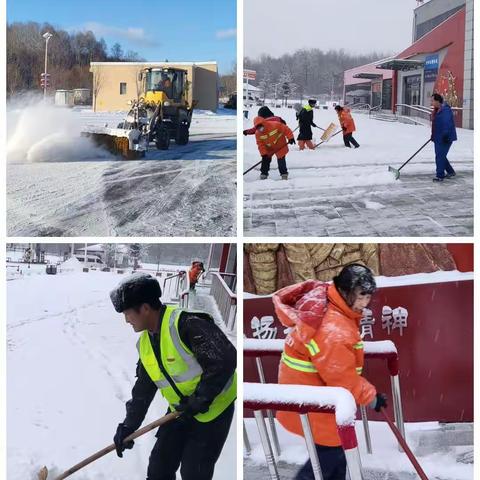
(417, 113)
(259, 397)
(383, 350)
(225, 298)
(176, 288)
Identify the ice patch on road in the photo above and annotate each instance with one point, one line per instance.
(40, 132)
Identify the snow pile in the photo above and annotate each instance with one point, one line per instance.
(41, 132)
(382, 346)
(71, 265)
(337, 397)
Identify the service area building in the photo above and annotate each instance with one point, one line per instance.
(115, 83)
(439, 60)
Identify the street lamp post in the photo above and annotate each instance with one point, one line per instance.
(46, 36)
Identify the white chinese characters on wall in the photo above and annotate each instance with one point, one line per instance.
(263, 328)
(392, 319)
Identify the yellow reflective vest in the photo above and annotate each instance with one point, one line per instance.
(180, 363)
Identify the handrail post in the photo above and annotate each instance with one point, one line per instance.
(246, 441)
(267, 447)
(312, 451)
(350, 447)
(271, 420)
(397, 406)
(366, 428)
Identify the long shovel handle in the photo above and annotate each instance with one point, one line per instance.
(258, 163)
(404, 445)
(323, 141)
(111, 448)
(416, 153)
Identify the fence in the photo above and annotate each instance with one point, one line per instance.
(304, 399)
(225, 298)
(383, 350)
(176, 289)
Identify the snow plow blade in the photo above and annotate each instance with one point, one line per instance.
(127, 143)
(395, 172)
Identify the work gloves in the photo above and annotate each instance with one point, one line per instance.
(379, 402)
(344, 129)
(245, 132)
(313, 125)
(122, 433)
(190, 406)
(291, 141)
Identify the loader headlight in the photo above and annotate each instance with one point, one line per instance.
(166, 104)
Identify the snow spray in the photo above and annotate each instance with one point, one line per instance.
(41, 132)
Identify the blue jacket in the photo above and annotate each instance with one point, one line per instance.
(443, 126)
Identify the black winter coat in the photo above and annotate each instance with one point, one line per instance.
(305, 121)
(212, 350)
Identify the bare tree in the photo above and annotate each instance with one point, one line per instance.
(97, 84)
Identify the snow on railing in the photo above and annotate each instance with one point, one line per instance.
(225, 298)
(304, 399)
(382, 350)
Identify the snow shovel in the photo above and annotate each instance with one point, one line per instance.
(43, 473)
(396, 171)
(323, 141)
(404, 445)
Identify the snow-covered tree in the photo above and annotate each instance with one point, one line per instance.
(137, 251)
(288, 87)
(266, 83)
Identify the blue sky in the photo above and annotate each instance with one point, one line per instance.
(185, 30)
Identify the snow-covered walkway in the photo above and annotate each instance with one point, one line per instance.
(335, 191)
(385, 463)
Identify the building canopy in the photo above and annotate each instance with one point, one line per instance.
(400, 64)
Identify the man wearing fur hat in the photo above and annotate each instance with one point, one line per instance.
(188, 358)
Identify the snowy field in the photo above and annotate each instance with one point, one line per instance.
(335, 191)
(60, 184)
(71, 368)
(386, 462)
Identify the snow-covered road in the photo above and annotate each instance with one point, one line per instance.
(71, 368)
(335, 191)
(62, 185)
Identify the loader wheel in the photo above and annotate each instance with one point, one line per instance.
(162, 138)
(182, 135)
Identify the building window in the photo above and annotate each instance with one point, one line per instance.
(123, 88)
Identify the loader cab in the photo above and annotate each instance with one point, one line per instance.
(164, 84)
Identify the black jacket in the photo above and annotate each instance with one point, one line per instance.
(212, 350)
(305, 121)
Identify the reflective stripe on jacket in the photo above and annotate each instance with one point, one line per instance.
(181, 365)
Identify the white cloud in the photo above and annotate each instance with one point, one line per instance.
(229, 33)
(135, 35)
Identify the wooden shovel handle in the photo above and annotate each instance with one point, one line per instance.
(111, 448)
(404, 445)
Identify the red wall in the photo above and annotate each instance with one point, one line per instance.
(463, 255)
(435, 351)
(450, 33)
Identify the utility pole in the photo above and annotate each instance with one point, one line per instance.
(47, 36)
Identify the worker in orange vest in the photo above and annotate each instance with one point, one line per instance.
(194, 273)
(272, 138)
(348, 126)
(324, 348)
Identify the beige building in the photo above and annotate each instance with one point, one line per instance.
(115, 83)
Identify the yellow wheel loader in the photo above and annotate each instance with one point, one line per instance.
(160, 114)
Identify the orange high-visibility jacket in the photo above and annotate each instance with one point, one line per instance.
(329, 353)
(273, 139)
(346, 121)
